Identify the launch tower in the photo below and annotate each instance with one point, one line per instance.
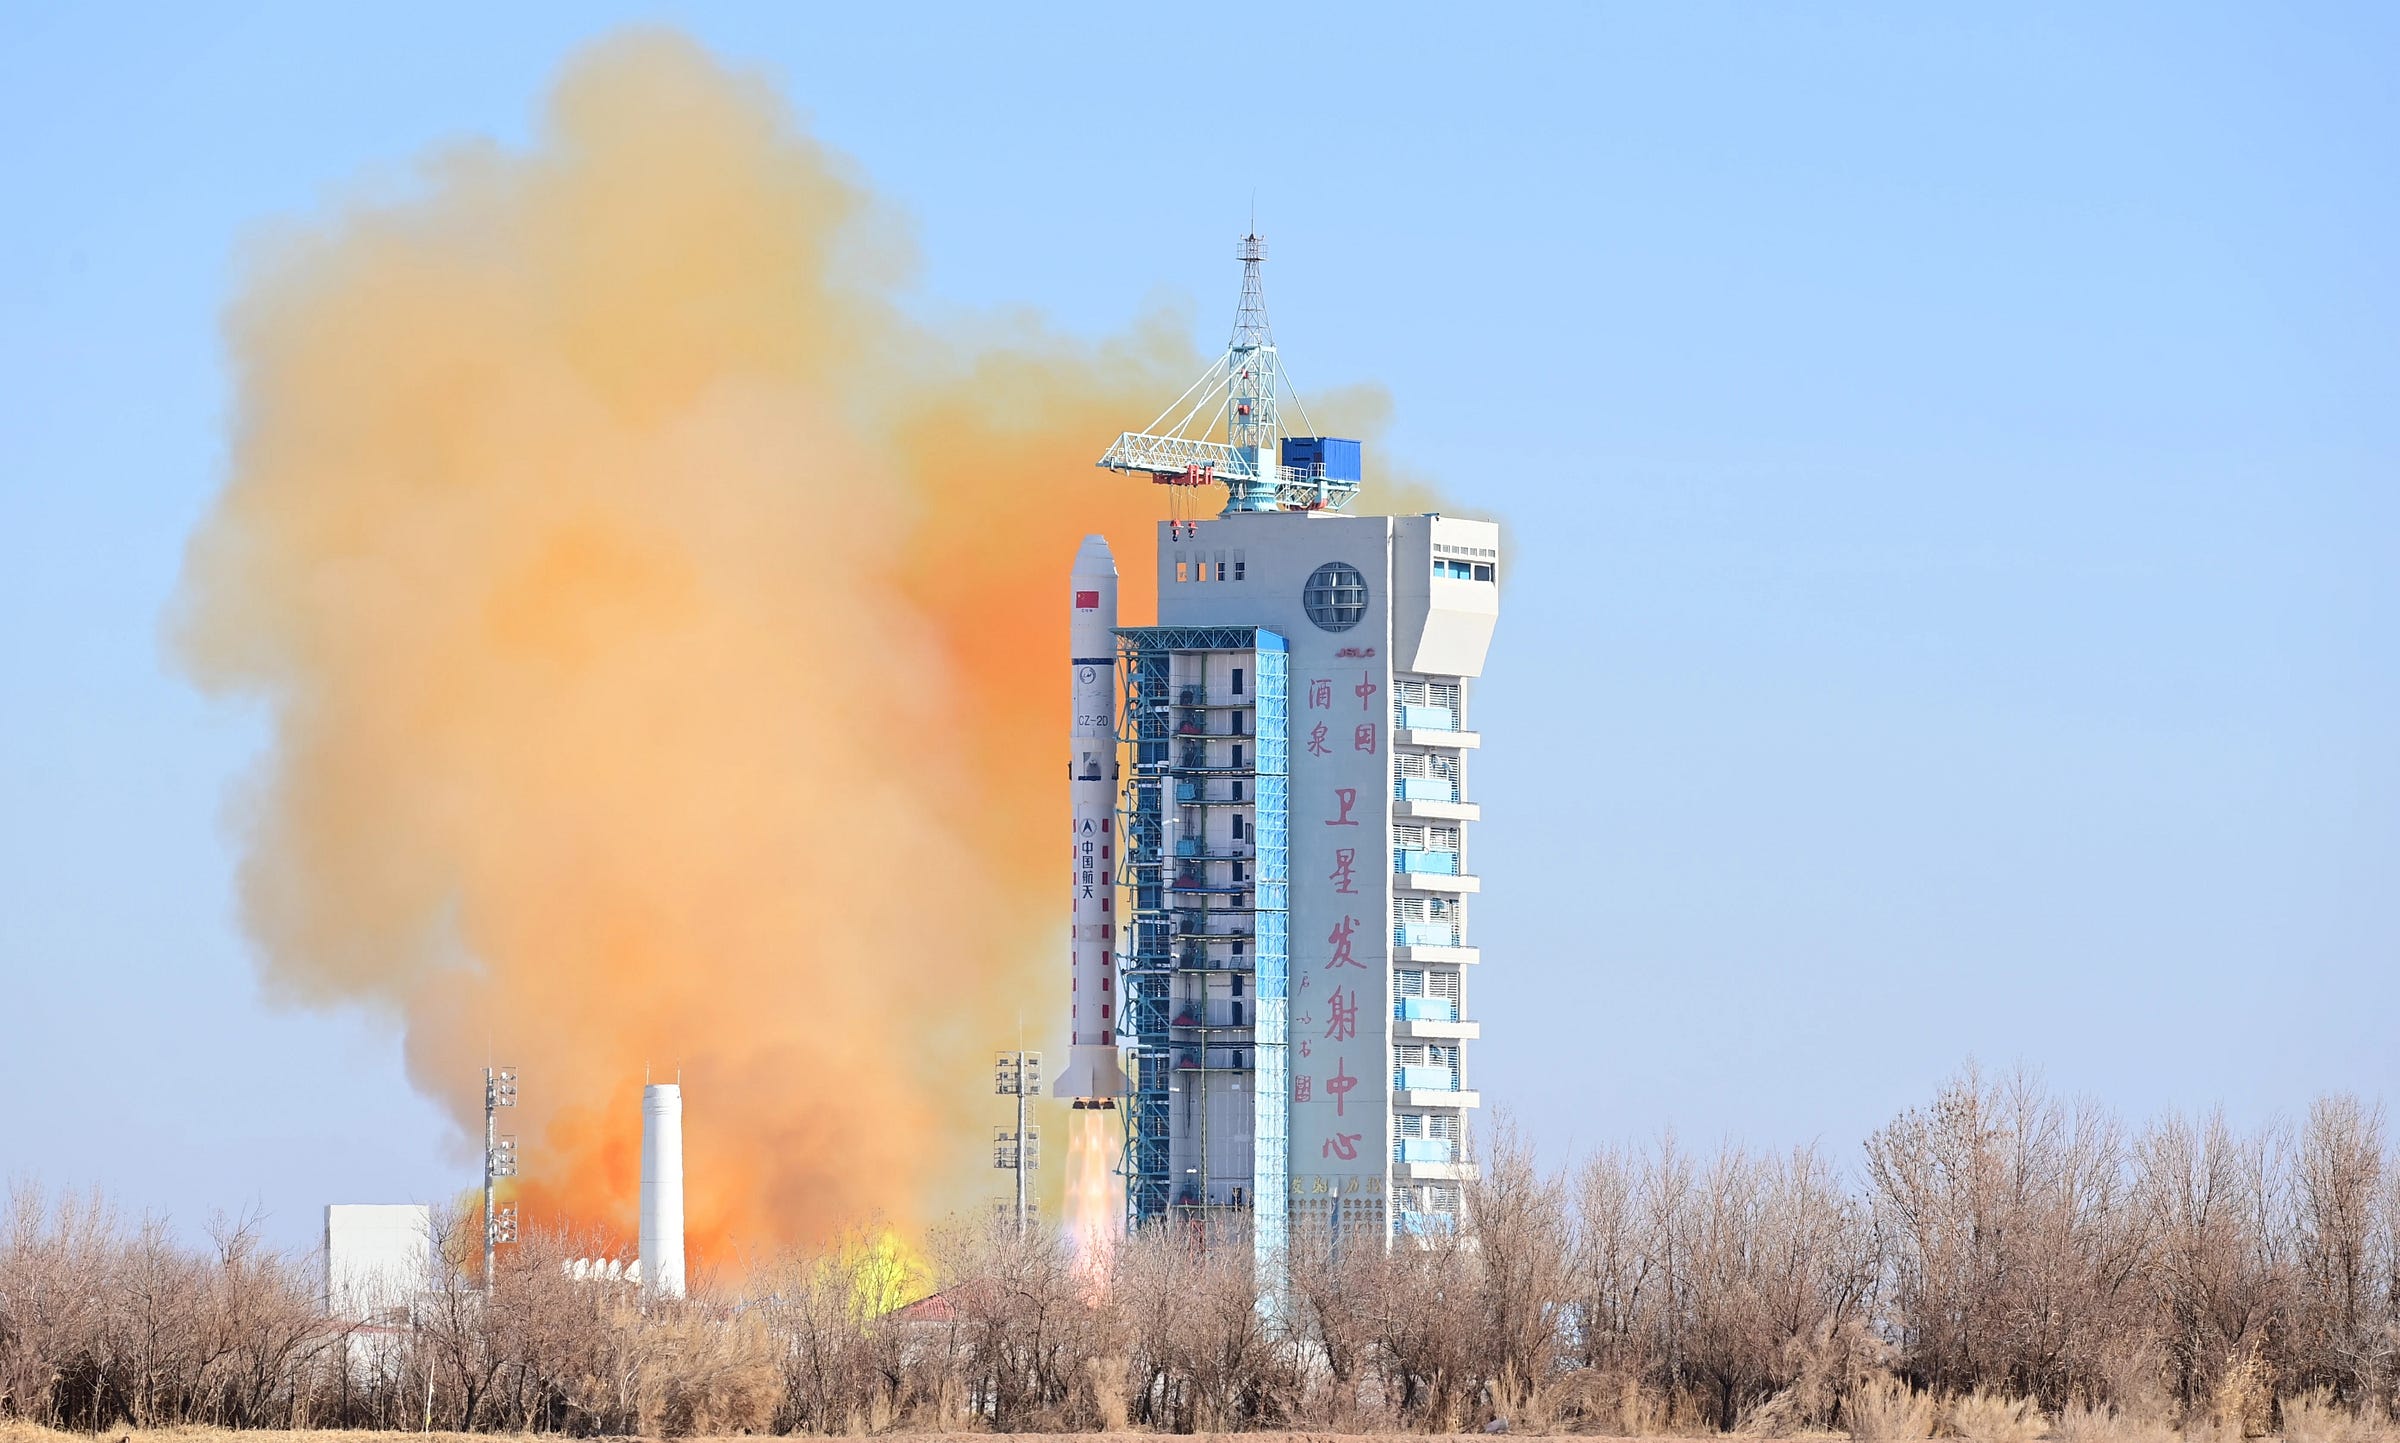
(1294, 856)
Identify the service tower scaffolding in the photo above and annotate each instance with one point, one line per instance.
(1205, 982)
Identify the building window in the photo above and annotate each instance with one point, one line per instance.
(1237, 754)
(1483, 571)
(1237, 681)
(1335, 596)
(1237, 571)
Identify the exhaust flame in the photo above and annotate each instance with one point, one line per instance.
(1095, 1192)
(658, 632)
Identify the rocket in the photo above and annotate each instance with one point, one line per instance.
(1095, 1074)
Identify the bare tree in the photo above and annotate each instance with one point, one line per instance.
(2221, 1290)
(1429, 1328)
(1609, 1264)
(1335, 1296)
(1520, 1222)
(1025, 1328)
(2011, 1238)
(2008, 1256)
(2342, 1321)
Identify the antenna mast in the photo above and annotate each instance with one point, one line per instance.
(1250, 387)
(1250, 328)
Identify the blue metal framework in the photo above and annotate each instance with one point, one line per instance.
(1149, 959)
(1183, 910)
(1271, 1096)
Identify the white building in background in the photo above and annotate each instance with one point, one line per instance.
(378, 1260)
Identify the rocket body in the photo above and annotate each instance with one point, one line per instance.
(1095, 1072)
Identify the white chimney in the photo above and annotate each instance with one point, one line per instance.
(662, 1190)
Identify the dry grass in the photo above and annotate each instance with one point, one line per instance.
(1982, 1417)
(2081, 1423)
(11, 1432)
(2307, 1419)
(1884, 1408)
(2314, 1417)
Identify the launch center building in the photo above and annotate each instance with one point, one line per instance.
(1296, 856)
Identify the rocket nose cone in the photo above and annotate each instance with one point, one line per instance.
(1095, 559)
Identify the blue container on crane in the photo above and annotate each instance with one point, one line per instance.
(1327, 456)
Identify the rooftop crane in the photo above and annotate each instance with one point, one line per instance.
(1260, 467)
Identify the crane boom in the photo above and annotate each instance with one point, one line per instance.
(1251, 461)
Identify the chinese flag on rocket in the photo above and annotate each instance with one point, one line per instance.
(1087, 601)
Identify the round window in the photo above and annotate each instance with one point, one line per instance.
(1336, 596)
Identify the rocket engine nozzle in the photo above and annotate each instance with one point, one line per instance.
(1094, 1077)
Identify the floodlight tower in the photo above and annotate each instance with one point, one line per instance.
(1018, 1075)
(499, 1161)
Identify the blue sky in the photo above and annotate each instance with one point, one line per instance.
(1950, 462)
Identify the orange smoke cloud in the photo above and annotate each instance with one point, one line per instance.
(662, 637)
